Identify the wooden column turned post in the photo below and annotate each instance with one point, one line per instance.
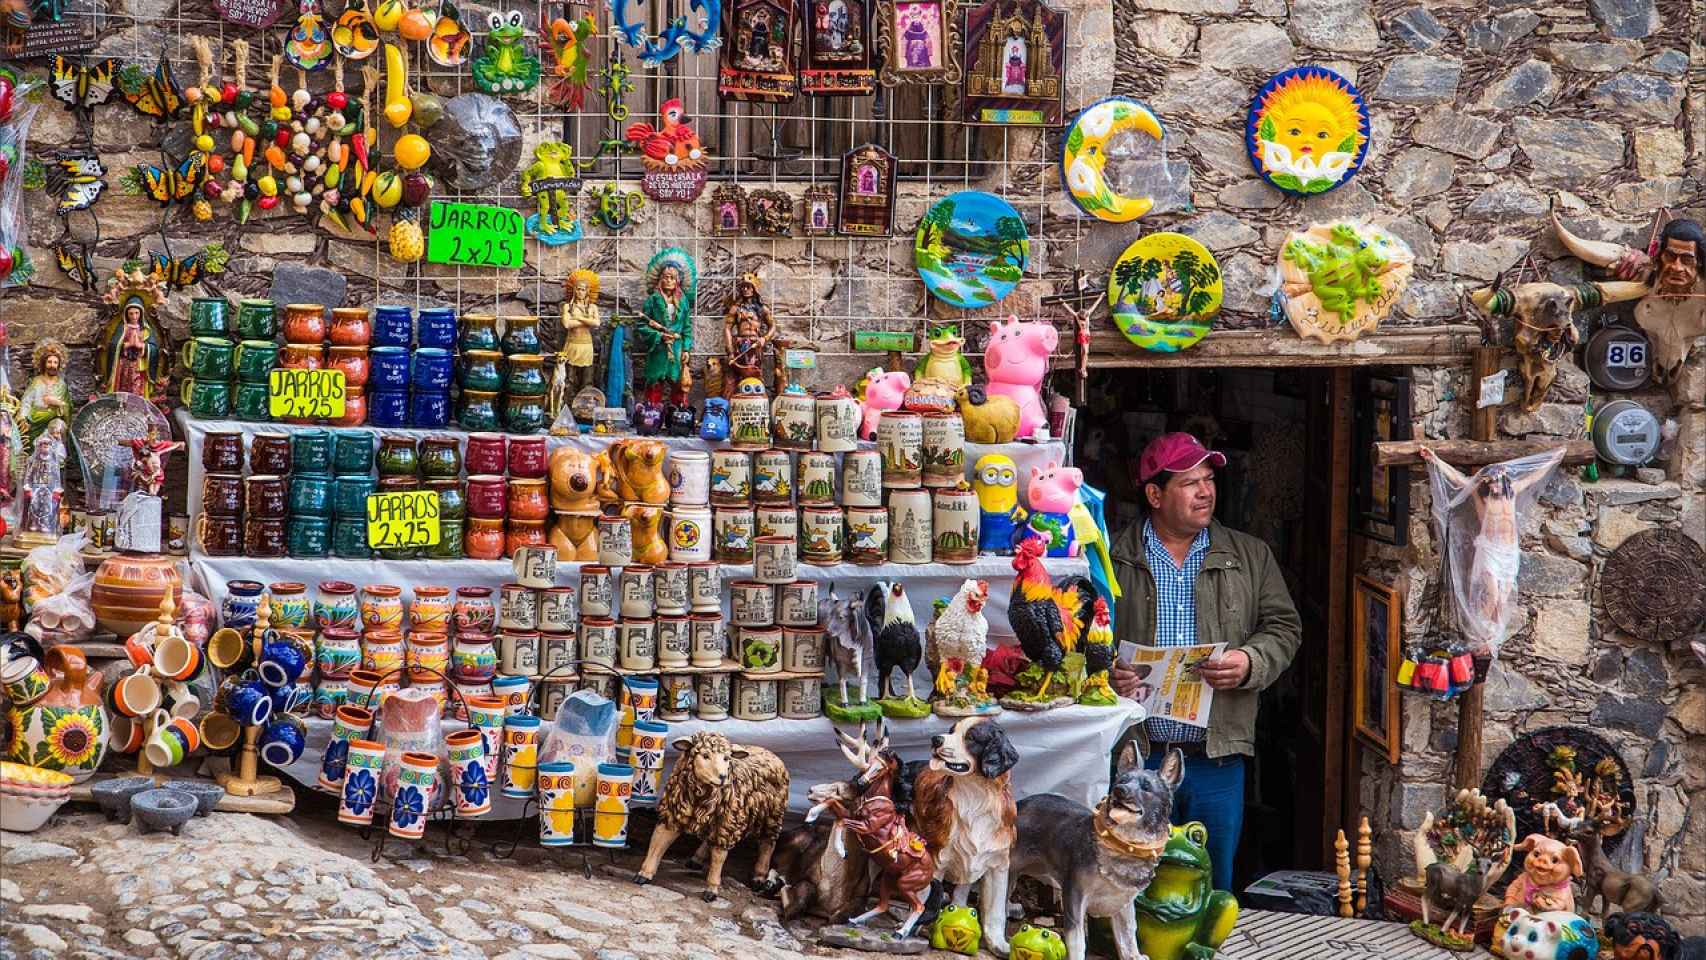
(1365, 854)
(1342, 864)
(247, 782)
(1470, 714)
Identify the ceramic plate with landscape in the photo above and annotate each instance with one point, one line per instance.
(1307, 131)
(1164, 292)
(971, 249)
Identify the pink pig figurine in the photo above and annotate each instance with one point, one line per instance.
(1015, 361)
(1053, 492)
(881, 390)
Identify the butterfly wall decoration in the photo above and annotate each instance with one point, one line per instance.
(172, 184)
(155, 96)
(83, 87)
(74, 179)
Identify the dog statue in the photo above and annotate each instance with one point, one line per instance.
(1101, 859)
(963, 805)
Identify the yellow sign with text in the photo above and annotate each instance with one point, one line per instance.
(408, 519)
(305, 394)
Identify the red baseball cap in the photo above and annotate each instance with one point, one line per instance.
(1175, 453)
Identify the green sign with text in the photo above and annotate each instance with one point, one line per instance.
(475, 235)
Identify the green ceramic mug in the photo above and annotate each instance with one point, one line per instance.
(207, 399)
(256, 320)
(255, 360)
(252, 402)
(210, 317)
(208, 358)
(308, 538)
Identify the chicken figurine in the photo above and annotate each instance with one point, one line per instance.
(897, 646)
(961, 636)
(1098, 658)
(1049, 618)
(672, 144)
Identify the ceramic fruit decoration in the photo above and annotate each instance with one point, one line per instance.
(673, 157)
(355, 36)
(660, 47)
(1115, 122)
(1339, 280)
(1307, 130)
(971, 249)
(571, 55)
(450, 39)
(507, 64)
(1164, 292)
(551, 183)
(309, 46)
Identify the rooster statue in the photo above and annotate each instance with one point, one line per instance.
(897, 645)
(672, 145)
(961, 635)
(1098, 658)
(1049, 618)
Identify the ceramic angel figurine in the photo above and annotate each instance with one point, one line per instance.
(748, 330)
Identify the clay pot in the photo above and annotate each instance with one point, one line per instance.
(440, 458)
(65, 730)
(528, 500)
(474, 611)
(352, 360)
(430, 609)
(484, 539)
(524, 533)
(350, 327)
(304, 323)
(128, 588)
(486, 454)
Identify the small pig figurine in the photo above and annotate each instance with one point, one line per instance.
(1546, 872)
(1053, 492)
(1016, 360)
(1551, 935)
(882, 390)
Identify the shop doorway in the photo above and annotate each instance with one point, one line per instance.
(1287, 436)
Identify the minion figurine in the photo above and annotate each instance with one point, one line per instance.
(995, 477)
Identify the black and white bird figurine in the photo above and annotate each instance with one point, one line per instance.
(897, 644)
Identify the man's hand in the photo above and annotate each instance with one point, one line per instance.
(1225, 671)
(1125, 679)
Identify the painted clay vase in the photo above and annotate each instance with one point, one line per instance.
(65, 730)
(336, 605)
(427, 651)
(128, 588)
(337, 651)
(242, 597)
(382, 607)
(473, 789)
(474, 657)
(382, 651)
(474, 610)
(413, 798)
(290, 606)
(430, 609)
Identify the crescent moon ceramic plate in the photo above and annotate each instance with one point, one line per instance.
(971, 249)
(1084, 156)
(1164, 292)
(1307, 131)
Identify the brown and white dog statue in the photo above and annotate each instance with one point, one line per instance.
(963, 805)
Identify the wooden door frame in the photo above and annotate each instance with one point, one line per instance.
(1339, 744)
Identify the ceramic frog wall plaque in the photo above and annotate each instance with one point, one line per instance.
(957, 929)
(508, 63)
(1181, 916)
(1338, 280)
(550, 180)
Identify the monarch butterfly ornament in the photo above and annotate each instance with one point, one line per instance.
(83, 87)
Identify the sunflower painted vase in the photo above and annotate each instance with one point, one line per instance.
(66, 730)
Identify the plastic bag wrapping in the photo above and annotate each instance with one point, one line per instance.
(411, 722)
(1479, 521)
(14, 135)
(1337, 280)
(57, 589)
(1115, 163)
(583, 733)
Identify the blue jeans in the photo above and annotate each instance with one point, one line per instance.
(1212, 794)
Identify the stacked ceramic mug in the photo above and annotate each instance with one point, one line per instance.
(526, 381)
(932, 514)
(309, 535)
(352, 483)
(473, 651)
(229, 359)
(431, 366)
(388, 366)
(311, 343)
(398, 463)
(780, 647)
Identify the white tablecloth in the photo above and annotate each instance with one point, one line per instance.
(1061, 751)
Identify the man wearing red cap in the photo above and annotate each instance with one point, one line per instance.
(1185, 579)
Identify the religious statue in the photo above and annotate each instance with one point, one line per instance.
(11, 446)
(579, 318)
(147, 466)
(43, 487)
(47, 398)
(137, 522)
(664, 338)
(1484, 550)
(132, 354)
(748, 331)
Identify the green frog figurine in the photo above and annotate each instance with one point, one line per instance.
(506, 64)
(1180, 916)
(550, 182)
(1036, 943)
(958, 930)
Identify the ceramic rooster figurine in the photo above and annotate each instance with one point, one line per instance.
(1050, 619)
(1098, 657)
(672, 144)
(897, 644)
(962, 637)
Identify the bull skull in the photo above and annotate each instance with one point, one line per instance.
(1545, 323)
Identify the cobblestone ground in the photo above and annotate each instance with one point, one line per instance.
(304, 888)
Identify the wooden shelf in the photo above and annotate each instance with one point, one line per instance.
(1436, 346)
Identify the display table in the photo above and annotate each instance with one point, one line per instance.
(1063, 751)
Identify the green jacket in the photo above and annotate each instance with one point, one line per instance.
(1241, 601)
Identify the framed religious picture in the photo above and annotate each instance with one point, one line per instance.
(867, 192)
(838, 49)
(820, 211)
(1381, 494)
(919, 41)
(728, 211)
(1015, 61)
(770, 213)
(1374, 666)
(757, 59)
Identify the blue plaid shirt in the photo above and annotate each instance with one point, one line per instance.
(1175, 616)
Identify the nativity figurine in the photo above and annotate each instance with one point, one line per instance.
(132, 354)
(748, 331)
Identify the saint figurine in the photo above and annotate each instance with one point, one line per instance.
(132, 354)
(47, 398)
(664, 336)
(147, 465)
(43, 487)
(748, 330)
(579, 318)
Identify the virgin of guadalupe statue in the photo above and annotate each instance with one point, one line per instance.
(47, 398)
(132, 356)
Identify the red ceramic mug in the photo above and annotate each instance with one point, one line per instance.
(352, 360)
(355, 408)
(528, 499)
(267, 497)
(270, 453)
(304, 323)
(350, 327)
(302, 356)
(219, 536)
(222, 494)
(264, 537)
(485, 454)
(527, 457)
(486, 497)
(222, 453)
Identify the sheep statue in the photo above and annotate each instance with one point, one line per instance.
(720, 793)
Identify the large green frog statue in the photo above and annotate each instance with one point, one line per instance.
(507, 64)
(1180, 916)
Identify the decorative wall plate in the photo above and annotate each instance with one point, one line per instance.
(1015, 63)
(1164, 292)
(1085, 152)
(1654, 585)
(919, 41)
(1339, 280)
(1307, 130)
(867, 192)
(838, 49)
(971, 249)
(757, 59)
(354, 35)
(1577, 769)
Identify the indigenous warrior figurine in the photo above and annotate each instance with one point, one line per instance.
(43, 487)
(147, 467)
(748, 331)
(665, 335)
(579, 318)
(46, 399)
(132, 356)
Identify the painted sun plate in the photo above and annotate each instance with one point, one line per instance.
(971, 249)
(1307, 131)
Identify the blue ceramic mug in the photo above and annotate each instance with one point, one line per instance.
(392, 326)
(388, 368)
(249, 704)
(436, 327)
(310, 495)
(388, 408)
(349, 499)
(308, 538)
(281, 663)
(429, 409)
(432, 368)
(282, 741)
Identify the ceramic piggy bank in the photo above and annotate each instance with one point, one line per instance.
(883, 390)
(1554, 935)
(1053, 491)
(1015, 361)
